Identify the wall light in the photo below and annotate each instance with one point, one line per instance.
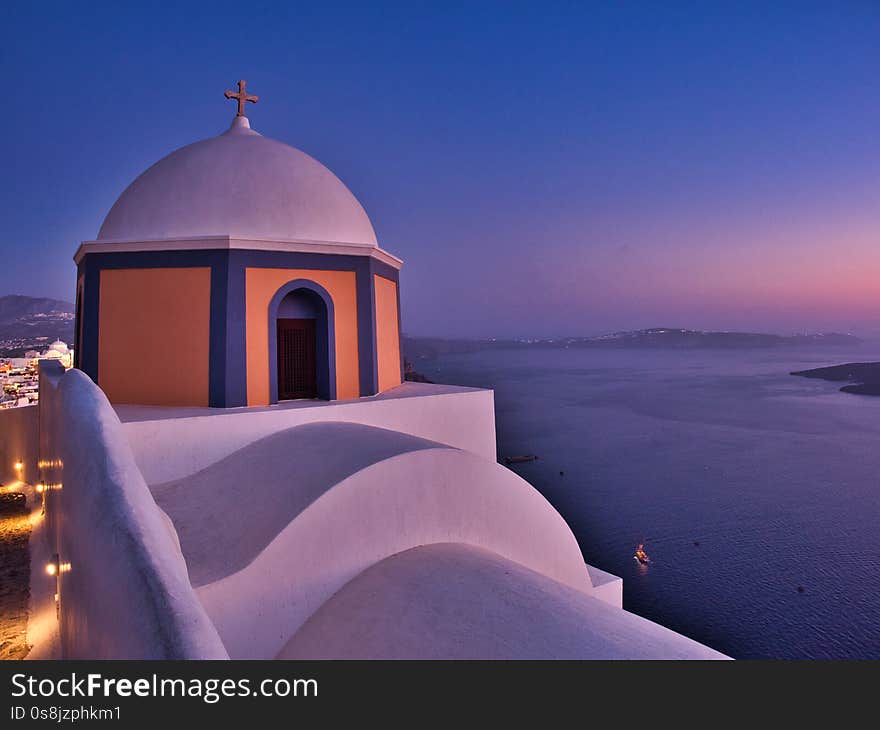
(18, 466)
(55, 566)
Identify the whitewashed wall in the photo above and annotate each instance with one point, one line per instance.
(172, 443)
(127, 594)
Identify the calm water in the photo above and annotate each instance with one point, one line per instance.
(777, 478)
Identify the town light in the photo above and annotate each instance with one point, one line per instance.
(52, 568)
(18, 466)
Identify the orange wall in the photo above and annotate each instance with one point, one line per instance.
(153, 335)
(260, 287)
(387, 333)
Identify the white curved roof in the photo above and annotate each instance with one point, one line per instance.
(59, 346)
(214, 537)
(238, 184)
(456, 601)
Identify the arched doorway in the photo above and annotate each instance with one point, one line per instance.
(302, 347)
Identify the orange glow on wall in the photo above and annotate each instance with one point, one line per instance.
(260, 287)
(153, 335)
(387, 333)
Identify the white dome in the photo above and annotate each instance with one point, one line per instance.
(58, 346)
(239, 184)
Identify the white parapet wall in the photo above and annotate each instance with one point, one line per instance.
(170, 443)
(122, 582)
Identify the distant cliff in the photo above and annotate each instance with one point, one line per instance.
(15, 307)
(864, 376)
(422, 348)
(30, 323)
(410, 373)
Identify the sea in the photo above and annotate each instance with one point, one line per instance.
(755, 492)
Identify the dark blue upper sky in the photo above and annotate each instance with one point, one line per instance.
(543, 168)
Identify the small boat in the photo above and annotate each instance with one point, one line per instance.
(641, 555)
(520, 459)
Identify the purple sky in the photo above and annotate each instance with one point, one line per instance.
(555, 168)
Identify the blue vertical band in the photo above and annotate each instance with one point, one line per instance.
(87, 360)
(236, 332)
(366, 306)
(217, 353)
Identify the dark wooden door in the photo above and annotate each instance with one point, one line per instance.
(296, 359)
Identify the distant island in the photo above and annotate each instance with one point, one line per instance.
(427, 348)
(864, 376)
(29, 323)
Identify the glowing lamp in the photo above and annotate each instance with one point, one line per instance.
(55, 566)
(18, 466)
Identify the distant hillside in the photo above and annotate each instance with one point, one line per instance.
(422, 348)
(31, 323)
(15, 307)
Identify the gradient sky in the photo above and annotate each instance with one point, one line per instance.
(543, 168)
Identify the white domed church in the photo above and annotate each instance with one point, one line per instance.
(245, 475)
(237, 271)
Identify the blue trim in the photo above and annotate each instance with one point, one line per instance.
(366, 306)
(236, 332)
(325, 333)
(87, 360)
(219, 303)
(387, 272)
(399, 329)
(77, 320)
(156, 259)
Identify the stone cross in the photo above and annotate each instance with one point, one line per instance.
(242, 96)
